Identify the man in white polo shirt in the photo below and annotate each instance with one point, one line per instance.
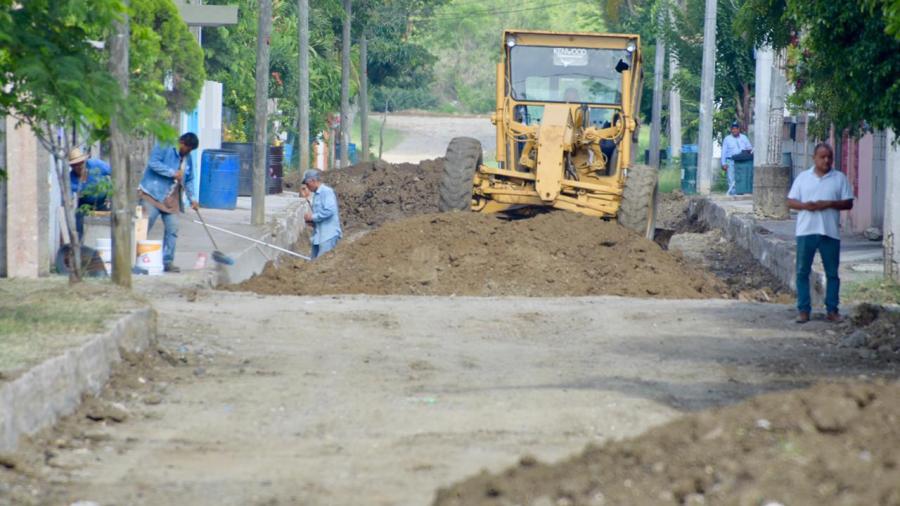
(820, 194)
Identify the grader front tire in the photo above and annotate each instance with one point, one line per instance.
(638, 208)
(463, 158)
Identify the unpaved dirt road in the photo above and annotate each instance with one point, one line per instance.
(381, 400)
(427, 137)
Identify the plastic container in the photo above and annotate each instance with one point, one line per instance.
(219, 179)
(689, 169)
(743, 177)
(150, 257)
(104, 249)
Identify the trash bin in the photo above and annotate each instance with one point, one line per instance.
(743, 175)
(689, 169)
(219, 178)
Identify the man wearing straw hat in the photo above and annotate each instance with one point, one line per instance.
(169, 172)
(90, 183)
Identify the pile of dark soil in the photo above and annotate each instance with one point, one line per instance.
(372, 193)
(831, 444)
(873, 327)
(552, 254)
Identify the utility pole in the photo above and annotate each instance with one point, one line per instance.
(364, 96)
(776, 108)
(303, 29)
(659, 68)
(122, 225)
(707, 91)
(674, 102)
(764, 59)
(891, 226)
(260, 148)
(345, 86)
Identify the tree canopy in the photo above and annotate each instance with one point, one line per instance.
(844, 63)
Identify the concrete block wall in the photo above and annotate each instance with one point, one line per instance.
(54, 389)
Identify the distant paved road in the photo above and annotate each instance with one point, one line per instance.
(426, 137)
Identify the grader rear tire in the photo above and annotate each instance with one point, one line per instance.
(638, 209)
(463, 158)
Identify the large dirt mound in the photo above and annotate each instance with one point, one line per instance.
(832, 444)
(372, 193)
(553, 254)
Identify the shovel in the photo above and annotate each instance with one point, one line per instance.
(218, 256)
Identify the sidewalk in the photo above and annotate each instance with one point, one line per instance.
(284, 226)
(772, 242)
(50, 384)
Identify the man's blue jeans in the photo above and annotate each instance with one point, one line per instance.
(170, 221)
(732, 178)
(829, 250)
(324, 247)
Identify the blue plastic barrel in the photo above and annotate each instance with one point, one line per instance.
(219, 177)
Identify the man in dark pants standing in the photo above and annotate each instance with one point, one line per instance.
(169, 172)
(820, 194)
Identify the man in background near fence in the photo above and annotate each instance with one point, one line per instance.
(324, 216)
(733, 145)
(91, 185)
(820, 194)
(169, 172)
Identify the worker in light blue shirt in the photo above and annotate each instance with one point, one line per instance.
(820, 194)
(732, 145)
(324, 216)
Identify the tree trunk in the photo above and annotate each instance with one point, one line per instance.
(258, 199)
(659, 69)
(345, 86)
(122, 225)
(707, 92)
(364, 97)
(304, 140)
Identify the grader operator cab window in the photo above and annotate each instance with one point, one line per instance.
(566, 74)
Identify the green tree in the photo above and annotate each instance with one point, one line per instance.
(844, 64)
(53, 75)
(735, 65)
(162, 50)
(230, 58)
(465, 37)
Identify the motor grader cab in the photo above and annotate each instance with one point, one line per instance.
(567, 123)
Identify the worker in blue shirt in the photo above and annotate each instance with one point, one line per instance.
(324, 217)
(732, 145)
(169, 172)
(90, 182)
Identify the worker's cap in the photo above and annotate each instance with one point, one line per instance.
(311, 175)
(76, 156)
(735, 124)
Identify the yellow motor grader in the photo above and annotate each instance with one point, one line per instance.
(567, 124)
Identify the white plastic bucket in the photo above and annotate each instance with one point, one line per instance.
(104, 249)
(150, 257)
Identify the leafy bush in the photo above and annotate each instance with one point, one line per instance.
(395, 99)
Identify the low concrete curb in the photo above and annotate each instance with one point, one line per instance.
(283, 231)
(775, 254)
(53, 389)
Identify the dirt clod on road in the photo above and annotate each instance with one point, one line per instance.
(553, 254)
(831, 444)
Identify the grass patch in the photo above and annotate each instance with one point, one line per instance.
(392, 137)
(669, 180)
(876, 291)
(41, 318)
